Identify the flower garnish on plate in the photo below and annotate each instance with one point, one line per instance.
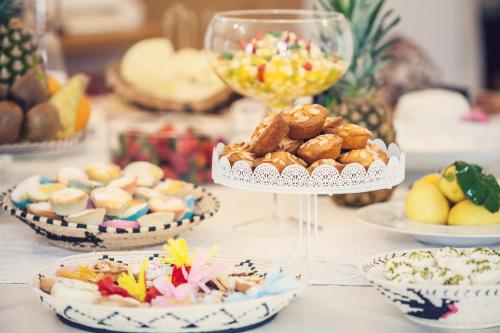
(136, 288)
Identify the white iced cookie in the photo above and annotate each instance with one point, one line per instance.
(146, 193)
(421, 259)
(114, 200)
(65, 175)
(88, 216)
(482, 253)
(126, 183)
(444, 255)
(20, 194)
(75, 290)
(135, 210)
(397, 266)
(485, 272)
(147, 174)
(432, 275)
(168, 204)
(43, 209)
(156, 219)
(103, 172)
(43, 192)
(86, 186)
(172, 187)
(68, 201)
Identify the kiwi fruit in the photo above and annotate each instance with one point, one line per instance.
(42, 123)
(4, 89)
(28, 91)
(11, 120)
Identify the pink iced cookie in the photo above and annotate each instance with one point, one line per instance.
(120, 224)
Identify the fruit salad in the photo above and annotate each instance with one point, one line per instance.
(277, 67)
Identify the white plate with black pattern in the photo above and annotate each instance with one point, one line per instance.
(224, 317)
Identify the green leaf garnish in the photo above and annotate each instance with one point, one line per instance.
(478, 187)
(227, 55)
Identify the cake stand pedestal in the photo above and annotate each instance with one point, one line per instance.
(324, 180)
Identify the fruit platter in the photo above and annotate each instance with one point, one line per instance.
(36, 111)
(457, 207)
(106, 207)
(176, 290)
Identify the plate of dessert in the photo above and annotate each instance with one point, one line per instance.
(154, 76)
(446, 287)
(457, 207)
(176, 290)
(302, 150)
(106, 207)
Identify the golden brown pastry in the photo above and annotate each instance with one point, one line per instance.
(365, 156)
(320, 147)
(280, 159)
(268, 135)
(331, 123)
(305, 121)
(353, 136)
(238, 151)
(329, 161)
(290, 145)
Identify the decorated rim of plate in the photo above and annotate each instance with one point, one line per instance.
(52, 145)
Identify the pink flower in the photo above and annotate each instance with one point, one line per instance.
(171, 295)
(200, 273)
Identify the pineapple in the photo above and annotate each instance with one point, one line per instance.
(355, 97)
(18, 52)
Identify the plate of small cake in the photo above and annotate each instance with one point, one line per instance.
(106, 207)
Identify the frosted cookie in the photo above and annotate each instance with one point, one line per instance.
(281, 159)
(121, 224)
(328, 161)
(114, 200)
(103, 172)
(353, 136)
(365, 156)
(146, 193)
(168, 204)
(43, 209)
(19, 195)
(331, 123)
(290, 145)
(172, 187)
(268, 135)
(147, 174)
(305, 121)
(398, 266)
(86, 186)
(321, 147)
(43, 192)
(65, 175)
(68, 201)
(156, 219)
(126, 183)
(88, 216)
(75, 290)
(135, 210)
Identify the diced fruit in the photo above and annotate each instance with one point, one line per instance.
(467, 213)
(432, 178)
(83, 114)
(427, 204)
(449, 185)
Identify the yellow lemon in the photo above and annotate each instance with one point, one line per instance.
(426, 204)
(449, 185)
(432, 178)
(467, 213)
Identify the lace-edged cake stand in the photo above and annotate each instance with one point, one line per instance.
(324, 180)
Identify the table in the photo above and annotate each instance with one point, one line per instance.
(355, 307)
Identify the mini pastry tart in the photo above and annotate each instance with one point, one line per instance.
(156, 219)
(126, 183)
(168, 204)
(305, 121)
(353, 136)
(43, 209)
(135, 211)
(86, 186)
(290, 145)
(321, 147)
(331, 123)
(68, 201)
(365, 156)
(120, 301)
(122, 224)
(171, 187)
(103, 172)
(268, 135)
(328, 161)
(65, 175)
(235, 147)
(238, 151)
(88, 216)
(147, 174)
(19, 195)
(281, 159)
(43, 192)
(146, 193)
(75, 290)
(114, 200)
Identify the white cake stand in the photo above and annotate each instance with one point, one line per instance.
(325, 180)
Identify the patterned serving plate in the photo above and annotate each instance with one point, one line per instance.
(223, 317)
(390, 216)
(82, 237)
(454, 307)
(26, 147)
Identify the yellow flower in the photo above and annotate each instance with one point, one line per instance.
(136, 289)
(178, 253)
(83, 274)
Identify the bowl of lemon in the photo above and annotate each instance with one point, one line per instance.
(460, 206)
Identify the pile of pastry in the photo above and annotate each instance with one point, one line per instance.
(180, 278)
(307, 136)
(107, 196)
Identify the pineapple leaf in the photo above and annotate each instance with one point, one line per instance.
(350, 12)
(342, 7)
(387, 45)
(372, 18)
(9, 9)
